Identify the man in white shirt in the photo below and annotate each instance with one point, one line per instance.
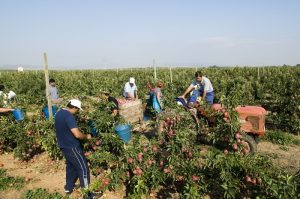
(54, 92)
(130, 89)
(3, 100)
(202, 87)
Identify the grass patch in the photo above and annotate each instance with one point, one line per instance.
(282, 138)
(8, 182)
(42, 193)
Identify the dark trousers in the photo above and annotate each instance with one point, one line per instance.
(76, 167)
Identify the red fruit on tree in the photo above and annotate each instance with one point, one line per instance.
(139, 172)
(149, 162)
(238, 136)
(167, 119)
(248, 179)
(161, 163)
(195, 178)
(140, 155)
(154, 149)
(226, 119)
(130, 160)
(105, 182)
(98, 142)
(95, 148)
(226, 114)
(180, 178)
(166, 170)
(235, 146)
(225, 151)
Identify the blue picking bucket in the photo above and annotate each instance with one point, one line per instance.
(46, 111)
(124, 132)
(18, 114)
(92, 128)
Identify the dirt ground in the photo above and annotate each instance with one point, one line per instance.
(44, 173)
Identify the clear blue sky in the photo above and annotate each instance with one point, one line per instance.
(131, 33)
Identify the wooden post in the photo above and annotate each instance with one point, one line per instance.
(154, 66)
(47, 87)
(171, 77)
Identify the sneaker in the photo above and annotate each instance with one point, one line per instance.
(68, 191)
(93, 195)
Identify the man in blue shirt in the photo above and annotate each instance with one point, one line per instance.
(202, 87)
(68, 136)
(130, 89)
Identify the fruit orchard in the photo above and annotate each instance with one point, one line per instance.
(170, 160)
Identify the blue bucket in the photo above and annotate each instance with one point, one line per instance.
(46, 111)
(124, 132)
(18, 114)
(92, 128)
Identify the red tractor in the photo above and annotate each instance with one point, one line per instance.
(251, 119)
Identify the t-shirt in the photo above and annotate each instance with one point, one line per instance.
(64, 122)
(53, 93)
(205, 85)
(112, 99)
(129, 89)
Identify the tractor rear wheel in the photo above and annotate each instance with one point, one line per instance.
(250, 145)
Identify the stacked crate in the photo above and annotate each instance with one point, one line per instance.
(132, 111)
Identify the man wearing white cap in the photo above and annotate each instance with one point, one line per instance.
(3, 99)
(130, 89)
(68, 136)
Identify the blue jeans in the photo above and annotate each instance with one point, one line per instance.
(76, 167)
(209, 98)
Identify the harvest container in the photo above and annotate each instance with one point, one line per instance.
(124, 132)
(18, 114)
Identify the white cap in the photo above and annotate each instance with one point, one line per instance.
(76, 103)
(131, 80)
(11, 95)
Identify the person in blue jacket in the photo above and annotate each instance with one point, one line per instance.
(202, 87)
